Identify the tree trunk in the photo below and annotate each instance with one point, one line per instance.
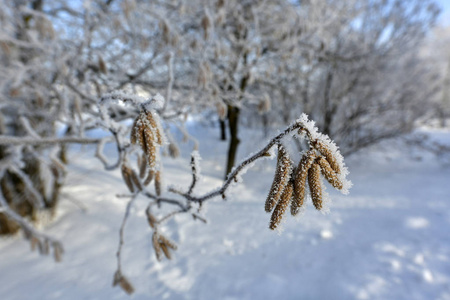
(265, 122)
(328, 109)
(223, 130)
(233, 123)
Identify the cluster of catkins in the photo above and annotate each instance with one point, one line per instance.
(147, 133)
(161, 244)
(289, 183)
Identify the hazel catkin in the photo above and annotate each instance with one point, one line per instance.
(325, 151)
(300, 181)
(281, 207)
(280, 180)
(329, 173)
(315, 186)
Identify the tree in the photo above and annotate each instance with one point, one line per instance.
(360, 75)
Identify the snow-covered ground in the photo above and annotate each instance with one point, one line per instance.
(388, 239)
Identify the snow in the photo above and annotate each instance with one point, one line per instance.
(387, 239)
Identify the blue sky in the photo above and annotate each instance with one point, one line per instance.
(444, 17)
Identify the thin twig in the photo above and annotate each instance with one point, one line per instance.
(122, 228)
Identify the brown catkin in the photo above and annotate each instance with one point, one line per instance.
(315, 186)
(165, 250)
(151, 220)
(168, 242)
(149, 177)
(158, 183)
(156, 246)
(140, 137)
(281, 207)
(174, 151)
(126, 175)
(126, 285)
(102, 65)
(150, 148)
(325, 151)
(155, 126)
(206, 23)
(142, 163)
(300, 181)
(280, 180)
(329, 173)
(135, 180)
(116, 278)
(134, 131)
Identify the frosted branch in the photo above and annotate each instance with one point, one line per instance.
(13, 140)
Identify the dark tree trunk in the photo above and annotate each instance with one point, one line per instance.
(265, 122)
(328, 106)
(233, 123)
(223, 130)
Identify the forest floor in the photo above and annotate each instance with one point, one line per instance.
(388, 239)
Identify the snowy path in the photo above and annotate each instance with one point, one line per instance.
(388, 239)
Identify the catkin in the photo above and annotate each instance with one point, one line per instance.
(146, 132)
(161, 245)
(151, 220)
(135, 180)
(157, 246)
(158, 183)
(281, 207)
(150, 148)
(168, 242)
(325, 151)
(142, 163)
(329, 174)
(300, 181)
(154, 125)
(280, 180)
(102, 65)
(126, 175)
(134, 131)
(116, 278)
(315, 186)
(126, 285)
(149, 177)
(165, 250)
(174, 151)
